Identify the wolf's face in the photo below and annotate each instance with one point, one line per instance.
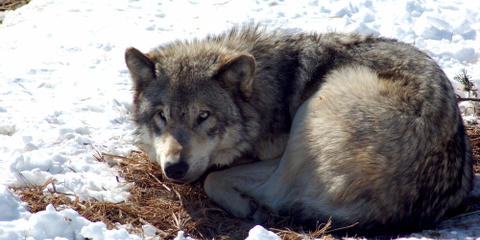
(185, 110)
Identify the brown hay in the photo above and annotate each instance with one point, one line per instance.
(319, 232)
(171, 207)
(474, 134)
(12, 4)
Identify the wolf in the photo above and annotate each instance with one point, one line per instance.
(359, 129)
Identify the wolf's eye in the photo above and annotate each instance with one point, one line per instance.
(203, 116)
(161, 114)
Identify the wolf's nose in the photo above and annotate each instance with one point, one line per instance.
(176, 170)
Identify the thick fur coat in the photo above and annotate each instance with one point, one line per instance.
(361, 129)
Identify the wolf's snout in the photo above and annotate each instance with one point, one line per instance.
(176, 170)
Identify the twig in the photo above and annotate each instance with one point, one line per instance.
(49, 181)
(466, 214)
(24, 179)
(176, 221)
(342, 228)
(179, 197)
(115, 156)
(163, 184)
(461, 99)
(53, 186)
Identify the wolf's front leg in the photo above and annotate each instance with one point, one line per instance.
(231, 188)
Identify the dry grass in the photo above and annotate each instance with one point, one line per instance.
(172, 207)
(474, 134)
(12, 4)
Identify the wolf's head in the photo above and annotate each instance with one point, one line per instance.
(186, 106)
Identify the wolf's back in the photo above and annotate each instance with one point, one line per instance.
(391, 148)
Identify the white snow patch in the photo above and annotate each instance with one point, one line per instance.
(181, 236)
(11, 208)
(64, 224)
(260, 233)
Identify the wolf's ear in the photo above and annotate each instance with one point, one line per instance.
(238, 72)
(141, 68)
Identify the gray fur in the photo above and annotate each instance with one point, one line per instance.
(362, 129)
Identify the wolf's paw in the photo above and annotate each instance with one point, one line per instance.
(227, 196)
(252, 207)
(263, 215)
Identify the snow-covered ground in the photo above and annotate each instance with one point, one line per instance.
(65, 90)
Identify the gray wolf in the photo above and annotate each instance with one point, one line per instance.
(363, 130)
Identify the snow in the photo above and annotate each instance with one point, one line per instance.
(260, 233)
(181, 236)
(66, 90)
(64, 224)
